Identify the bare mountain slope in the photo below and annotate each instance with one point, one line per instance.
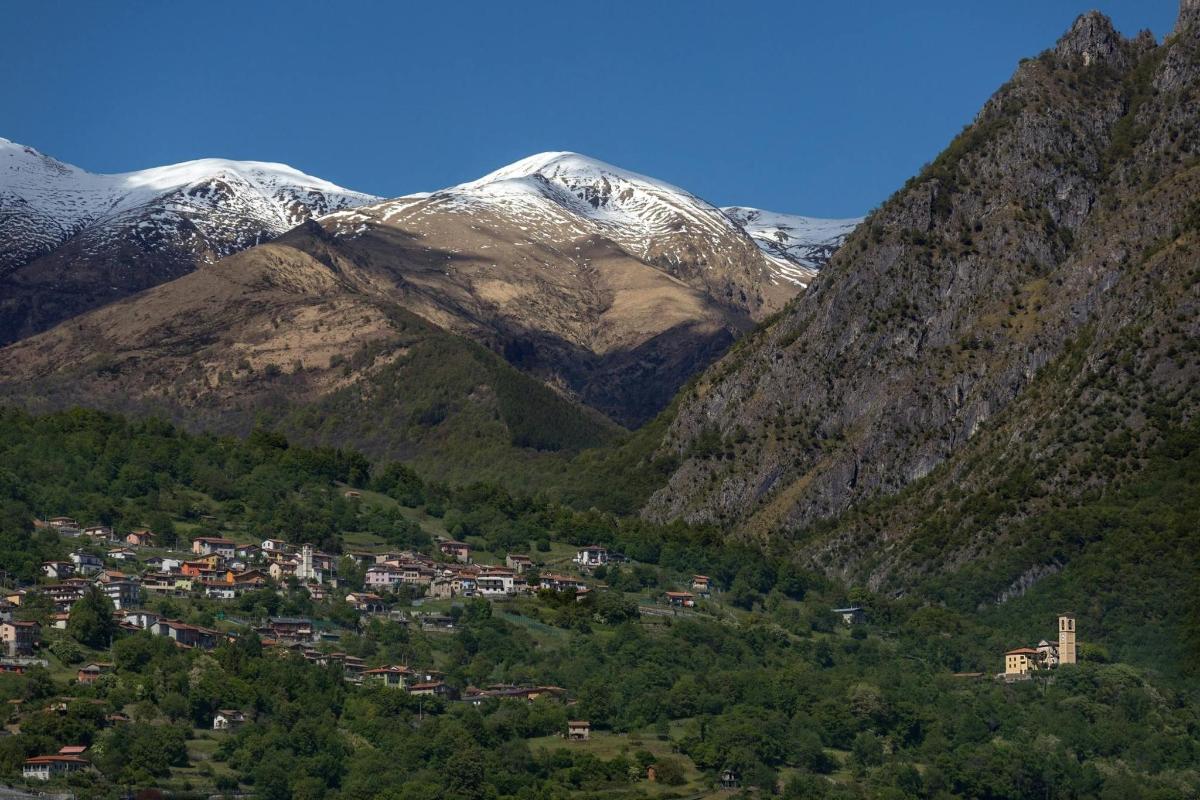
(295, 335)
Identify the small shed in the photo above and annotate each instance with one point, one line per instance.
(579, 730)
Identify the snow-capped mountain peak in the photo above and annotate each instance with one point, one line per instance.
(208, 208)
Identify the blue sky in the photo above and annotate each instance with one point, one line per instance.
(820, 108)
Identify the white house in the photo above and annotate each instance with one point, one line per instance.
(227, 718)
(591, 556)
(43, 768)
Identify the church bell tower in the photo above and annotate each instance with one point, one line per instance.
(1066, 638)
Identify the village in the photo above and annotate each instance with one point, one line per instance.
(406, 587)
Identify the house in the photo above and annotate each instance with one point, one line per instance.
(140, 538)
(210, 545)
(730, 780)
(434, 688)
(445, 587)
(416, 574)
(579, 730)
(90, 673)
(366, 602)
(701, 585)
(282, 570)
(496, 583)
(220, 591)
(86, 563)
(141, 619)
(518, 562)
(397, 677)
(57, 570)
(381, 576)
(591, 556)
(1020, 661)
(72, 750)
(43, 768)
(124, 592)
(122, 554)
(63, 522)
(164, 564)
(186, 635)
(249, 552)
(854, 615)
(560, 583)
(65, 594)
(19, 638)
(250, 579)
(226, 719)
(681, 599)
(292, 628)
(273, 546)
(99, 533)
(459, 551)
(477, 697)
(59, 620)
(199, 565)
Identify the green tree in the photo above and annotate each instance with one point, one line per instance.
(91, 619)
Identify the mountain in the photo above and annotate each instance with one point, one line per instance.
(73, 240)
(798, 246)
(291, 335)
(1013, 333)
(364, 326)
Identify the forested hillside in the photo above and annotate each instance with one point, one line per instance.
(760, 679)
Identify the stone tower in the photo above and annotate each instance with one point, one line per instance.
(305, 572)
(1066, 638)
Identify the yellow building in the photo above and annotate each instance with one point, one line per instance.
(1020, 661)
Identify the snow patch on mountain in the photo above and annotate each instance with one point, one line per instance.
(798, 246)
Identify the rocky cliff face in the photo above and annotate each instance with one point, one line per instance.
(1032, 289)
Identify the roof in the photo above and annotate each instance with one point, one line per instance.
(848, 610)
(1022, 651)
(72, 749)
(680, 594)
(214, 540)
(60, 759)
(578, 722)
